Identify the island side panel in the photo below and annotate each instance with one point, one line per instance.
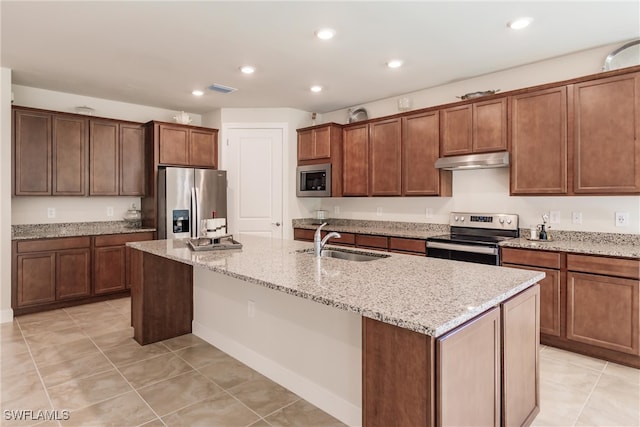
(521, 364)
(397, 376)
(161, 297)
(468, 373)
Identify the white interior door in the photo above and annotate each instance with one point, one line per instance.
(255, 181)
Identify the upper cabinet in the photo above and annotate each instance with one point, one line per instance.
(539, 142)
(385, 177)
(479, 127)
(50, 153)
(420, 150)
(355, 152)
(184, 145)
(607, 135)
(59, 154)
(323, 144)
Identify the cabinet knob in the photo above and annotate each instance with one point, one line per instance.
(277, 224)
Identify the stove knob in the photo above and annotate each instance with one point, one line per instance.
(456, 218)
(462, 218)
(509, 221)
(501, 220)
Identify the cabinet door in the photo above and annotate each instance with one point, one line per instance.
(109, 269)
(36, 277)
(490, 126)
(385, 158)
(539, 142)
(305, 145)
(607, 135)
(420, 150)
(70, 156)
(174, 145)
(455, 125)
(203, 148)
(520, 360)
(468, 373)
(132, 160)
(322, 143)
(104, 153)
(73, 273)
(355, 161)
(549, 299)
(32, 139)
(603, 311)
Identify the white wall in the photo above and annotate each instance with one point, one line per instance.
(488, 190)
(293, 207)
(6, 314)
(33, 210)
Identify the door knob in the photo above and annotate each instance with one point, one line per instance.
(277, 224)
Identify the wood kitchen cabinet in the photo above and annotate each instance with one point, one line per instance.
(392, 244)
(607, 135)
(420, 150)
(184, 145)
(385, 158)
(315, 143)
(539, 142)
(116, 162)
(110, 270)
(480, 127)
(70, 140)
(372, 159)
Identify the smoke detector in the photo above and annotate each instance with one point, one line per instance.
(221, 88)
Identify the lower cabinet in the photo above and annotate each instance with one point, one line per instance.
(589, 304)
(54, 273)
(380, 243)
(485, 372)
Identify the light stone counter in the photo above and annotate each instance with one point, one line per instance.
(72, 229)
(623, 249)
(426, 295)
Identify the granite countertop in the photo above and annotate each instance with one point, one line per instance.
(593, 243)
(73, 229)
(427, 295)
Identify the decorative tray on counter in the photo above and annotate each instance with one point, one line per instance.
(214, 244)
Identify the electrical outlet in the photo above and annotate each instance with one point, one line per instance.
(110, 211)
(576, 217)
(554, 217)
(379, 211)
(336, 210)
(622, 219)
(51, 212)
(428, 213)
(251, 309)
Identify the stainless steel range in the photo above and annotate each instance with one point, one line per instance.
(474, 237)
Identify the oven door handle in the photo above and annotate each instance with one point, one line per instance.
(462, 248)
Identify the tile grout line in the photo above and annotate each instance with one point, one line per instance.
(595, 384)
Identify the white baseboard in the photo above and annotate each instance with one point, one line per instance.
(6, 315)
(303, 387)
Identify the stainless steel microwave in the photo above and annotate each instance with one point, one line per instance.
(314, 180)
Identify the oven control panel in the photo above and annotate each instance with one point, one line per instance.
(483, 220)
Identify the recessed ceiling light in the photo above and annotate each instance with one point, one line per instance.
(519, 23)
(394, 63)
(197, 93)
(325, 33)
(247, 69)
(316, 88)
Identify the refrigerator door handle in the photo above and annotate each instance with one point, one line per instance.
(195, 232)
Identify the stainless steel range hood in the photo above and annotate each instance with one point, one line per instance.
(474, 161)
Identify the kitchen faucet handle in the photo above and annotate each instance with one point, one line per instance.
(316, 235)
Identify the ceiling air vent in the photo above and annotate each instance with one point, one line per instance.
(222, 88)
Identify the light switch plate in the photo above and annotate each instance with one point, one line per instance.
(110, 211)
(428, 213)
(379, 211)
(51, 212)
(554, 217)
(336, 210)
(576, 217)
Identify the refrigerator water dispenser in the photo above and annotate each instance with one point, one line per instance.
(181, 221)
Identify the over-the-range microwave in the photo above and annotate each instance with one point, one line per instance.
(314, 180)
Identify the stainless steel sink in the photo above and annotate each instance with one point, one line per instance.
(349, 255)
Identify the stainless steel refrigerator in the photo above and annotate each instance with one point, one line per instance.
(186, 196)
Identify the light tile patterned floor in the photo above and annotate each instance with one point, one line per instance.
(84, 360)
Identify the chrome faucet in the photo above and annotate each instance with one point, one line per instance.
(318, 243)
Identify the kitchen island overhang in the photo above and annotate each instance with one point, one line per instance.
(428, 297)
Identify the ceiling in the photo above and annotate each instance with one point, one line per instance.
(156, 52)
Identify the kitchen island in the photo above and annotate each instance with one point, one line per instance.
(401, 339)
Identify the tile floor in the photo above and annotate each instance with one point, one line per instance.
(83, 360)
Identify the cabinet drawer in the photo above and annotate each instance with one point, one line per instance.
(121, 239)
(533, 258)
(303, 234)
(378, 242)
(54, 244)
(604, 265)
(347, 239)
(407, 245)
